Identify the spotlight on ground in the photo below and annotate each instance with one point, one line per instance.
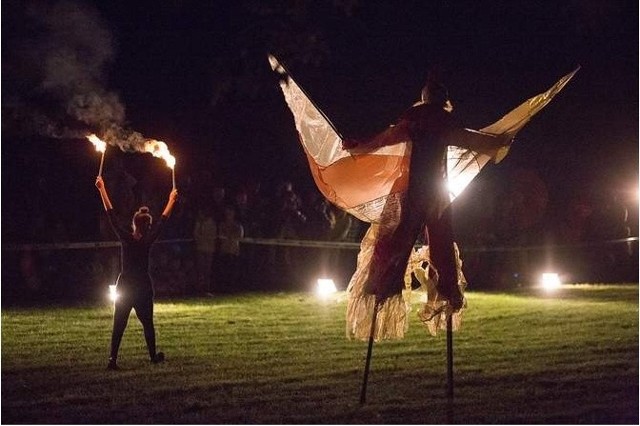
(325, 288)
(550, 281)
(113, 294)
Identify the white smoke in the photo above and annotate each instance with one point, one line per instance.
(65, 47)
(78, 48)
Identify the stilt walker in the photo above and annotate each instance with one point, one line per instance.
(395, 181)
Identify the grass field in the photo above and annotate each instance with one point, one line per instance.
(523, 357)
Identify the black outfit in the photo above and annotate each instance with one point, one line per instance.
(423, 210)
(134, 285)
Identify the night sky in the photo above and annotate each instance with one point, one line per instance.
(195, 75)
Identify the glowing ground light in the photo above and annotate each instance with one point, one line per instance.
(326, 287)
(113, 294)
(550, 281)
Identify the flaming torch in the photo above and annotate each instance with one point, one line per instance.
(101, 146)
(160, 149)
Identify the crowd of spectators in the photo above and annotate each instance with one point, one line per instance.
(279, 212)
(223, 218)
(211, 218)
(206, 226)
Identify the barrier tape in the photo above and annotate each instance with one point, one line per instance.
(471, 249)
(301, 243)
(548, 246)
(96, 244)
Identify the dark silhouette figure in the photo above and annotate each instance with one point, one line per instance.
(134, 285)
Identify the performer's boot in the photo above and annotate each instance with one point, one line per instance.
(157, 358)
(113, 365)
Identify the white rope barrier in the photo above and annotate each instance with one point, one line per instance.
(67, 246)
(302, 243)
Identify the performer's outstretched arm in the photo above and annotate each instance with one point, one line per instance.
(120, 232)
(106, 202)
(173, 195)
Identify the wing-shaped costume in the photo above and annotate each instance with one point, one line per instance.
(368, 181)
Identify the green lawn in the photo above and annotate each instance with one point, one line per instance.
(522, 357)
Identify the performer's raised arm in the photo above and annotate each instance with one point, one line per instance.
(106, 202)
(173, 196)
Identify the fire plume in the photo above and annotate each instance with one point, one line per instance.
(134, 142)
(100, 145)
(160, 149)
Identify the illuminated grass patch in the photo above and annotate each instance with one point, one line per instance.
(528, 357)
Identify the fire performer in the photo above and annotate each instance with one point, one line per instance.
(134, 284)
(431, 127)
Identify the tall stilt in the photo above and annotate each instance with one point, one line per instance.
(363, 392)
(450, 356)
(450, 369)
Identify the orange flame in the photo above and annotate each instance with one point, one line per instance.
(101, 146)
(160, 149)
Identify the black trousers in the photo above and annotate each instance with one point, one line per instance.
(394, 247)
(142, 302)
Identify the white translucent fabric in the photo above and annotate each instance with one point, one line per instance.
(323, 146)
